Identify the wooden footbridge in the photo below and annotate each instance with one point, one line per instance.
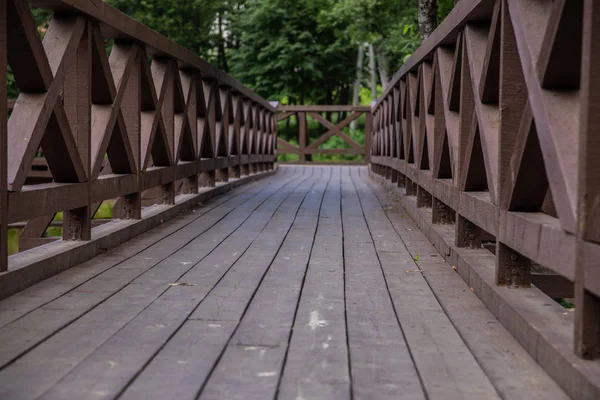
(444, 266)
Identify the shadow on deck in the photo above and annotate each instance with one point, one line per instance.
(310, 284)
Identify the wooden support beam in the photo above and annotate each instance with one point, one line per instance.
(441, 213)
(130, 206)
(303, 137)
(3, 140)
(467, 233)
(424, 198)
(587, 303)
(78, 104)
(368, 136)
(512, 268)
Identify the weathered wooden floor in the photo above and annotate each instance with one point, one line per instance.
(312, 284)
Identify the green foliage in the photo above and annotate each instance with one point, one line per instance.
(12, 89)
(390, 25)
(288, 49)
(303, 51)
(42, 19)
(443, 9)
(365, 95)
(105, 210)
(53, 231)
(186, 22)
(565, 303)
(13, 241)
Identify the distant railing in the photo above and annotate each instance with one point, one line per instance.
(144, 119)
(493, 125)
(309, 142)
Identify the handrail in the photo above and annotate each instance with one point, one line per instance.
(492, 125)
(150, 120)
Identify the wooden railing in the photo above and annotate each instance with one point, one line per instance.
(149, 117)
(493, 125)
(323, 115)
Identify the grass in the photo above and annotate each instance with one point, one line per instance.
(565, 303)
(104, 211)
(13, 241)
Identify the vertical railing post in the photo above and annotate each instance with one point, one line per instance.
(205, 124)
(511, 267)
(3, 142)
(186, 126)
(368, 133)
(223, 120)
(77, 224)
(235, 170)
(274, 132)
(303, 138)
(261, 138)
(162, 71)
(130, 206)
(244, 146)
(257, 136)
(587, 304)
(251, 129)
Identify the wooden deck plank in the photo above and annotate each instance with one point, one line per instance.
(278, 292)
(221, 382)
(512, 371)
(445, 364)
(280, 288)
(179, 369)
(230, 298)
(131, 348)
(302, 286)
(317, 359)
(146, 287)
(380, 361)
(242, 379)
(260, 230)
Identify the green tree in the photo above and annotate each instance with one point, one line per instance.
(392, 26)
(291, 50)
(194, 24)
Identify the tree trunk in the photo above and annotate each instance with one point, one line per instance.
(383, 66)
(328, 101)
(222, 57)
(373, 73)
(357, 82)
(427, 17)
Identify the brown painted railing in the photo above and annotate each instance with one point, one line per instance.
(493, 125)
(307, 147)
(149, 120)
